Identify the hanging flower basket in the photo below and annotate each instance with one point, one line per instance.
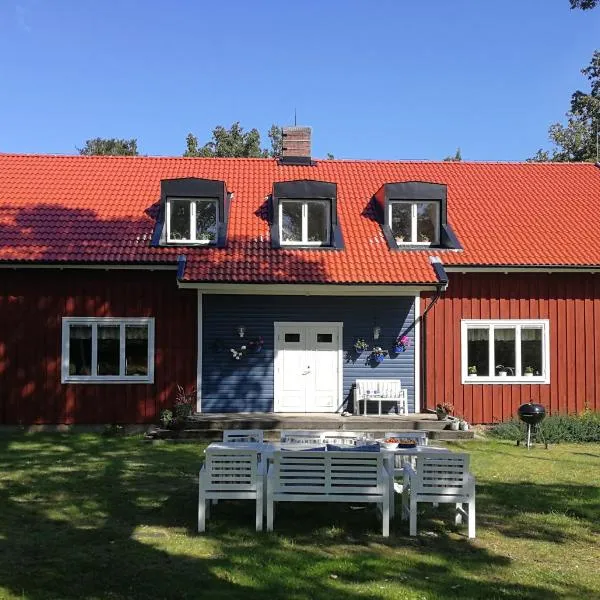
(360, 346)
(401, 344)
(378, 354)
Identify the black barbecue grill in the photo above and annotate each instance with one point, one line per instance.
(532, 414)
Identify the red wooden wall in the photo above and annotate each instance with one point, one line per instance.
(570, 301)
(32, 303)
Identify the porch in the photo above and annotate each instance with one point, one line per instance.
(210, 426)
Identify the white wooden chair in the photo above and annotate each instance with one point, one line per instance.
(439, 478)
(342, 438)
(343, 476)
(298, 436)
(380, 390)
(230, 474)
(243, 435)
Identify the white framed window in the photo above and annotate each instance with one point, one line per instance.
(306, 222)
(107, 350)
(415, 222)
(505, 351)
(192, 220)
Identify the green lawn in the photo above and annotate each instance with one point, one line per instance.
(84, 516)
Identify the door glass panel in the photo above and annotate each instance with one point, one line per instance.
(505, 351)
(80, 350)
(401, 222)
(292, 337)
(427, 219)
(108, 349)
(291, 221)
(136, 350)
(478, 341)
(318, 226)
(324, 338)
(531, 351)
(206, 220)
(179, 223)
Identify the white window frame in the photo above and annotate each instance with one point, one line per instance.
(94, 377)
(193, 232)
(304, 203)
(414, 222)
(517, 324)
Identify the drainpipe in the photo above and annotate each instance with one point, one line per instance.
(441, 287)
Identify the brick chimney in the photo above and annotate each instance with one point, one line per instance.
(296, 145)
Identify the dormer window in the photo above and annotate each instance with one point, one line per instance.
(304, 215)
(193, 212)
(306, 222)
(415, 222)
(413, 216)
(192, 220)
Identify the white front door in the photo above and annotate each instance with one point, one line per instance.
(308, 363)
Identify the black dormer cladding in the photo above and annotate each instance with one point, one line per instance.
(306, 190)
(415, 191)
(193, 187)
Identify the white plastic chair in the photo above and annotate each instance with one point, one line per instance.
(243, 435)
(439, 478)
(230, 474)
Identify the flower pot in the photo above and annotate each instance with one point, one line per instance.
(358, 351)
(454, 425)
(379, 358)
(441, 415)
(528, 374)
(398, 349)
(503, 373)
(464, 426)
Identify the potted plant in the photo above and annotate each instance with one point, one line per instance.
(378, 354)
(256, 345)
(472, 371)
(528, 372)
(455, 424)
(238, 353)
(443, 410)
(401, 344)
(503, 371)
(360, 345)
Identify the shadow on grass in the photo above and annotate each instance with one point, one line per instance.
(91, 517)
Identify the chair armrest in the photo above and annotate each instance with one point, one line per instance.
(471, 479)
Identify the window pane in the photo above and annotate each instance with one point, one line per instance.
(318, 226)
(292, 337)
(401, 222)
(478, 341)
(505, 350)
(180, 220)
(80, 350)
(291, 221)
(108, 349)
(324, 338)
(136, 350)
(206, 220)
(531, 351)
(427, 220)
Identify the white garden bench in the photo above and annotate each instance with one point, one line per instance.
(380, 390)
(339, 476)
(243, 435)
(439, 478)
(230, 474)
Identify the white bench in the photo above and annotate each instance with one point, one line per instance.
(342, 476)
(380, 390)
(243, 435)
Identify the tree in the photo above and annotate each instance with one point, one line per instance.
(235, 142)
(456, 158)
(584, 4)
(109, 146)
(577, 140)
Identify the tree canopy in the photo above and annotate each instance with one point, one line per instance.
(584, 4)
(235, 142)
(457, 157)
(577, 140)
(110, 146)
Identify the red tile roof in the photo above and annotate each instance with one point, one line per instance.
(102, 209)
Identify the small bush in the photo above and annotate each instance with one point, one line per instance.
(584, 427)
(166, 418)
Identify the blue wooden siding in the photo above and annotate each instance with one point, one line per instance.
(247, 385)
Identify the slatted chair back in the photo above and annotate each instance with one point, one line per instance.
(386, 388)
(231, 470)
(419, 436)
(342, 438)
(243, 435)
(442, 477)
(297, 436)
(327, 476)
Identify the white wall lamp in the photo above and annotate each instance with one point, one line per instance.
(241, 330)
(376, 332)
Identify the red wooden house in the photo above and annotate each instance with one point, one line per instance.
(251, 280)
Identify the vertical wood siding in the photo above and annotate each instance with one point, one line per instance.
(570, 301)
(32, 304)
(247, 385)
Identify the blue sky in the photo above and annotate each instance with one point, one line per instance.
(386, 79)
